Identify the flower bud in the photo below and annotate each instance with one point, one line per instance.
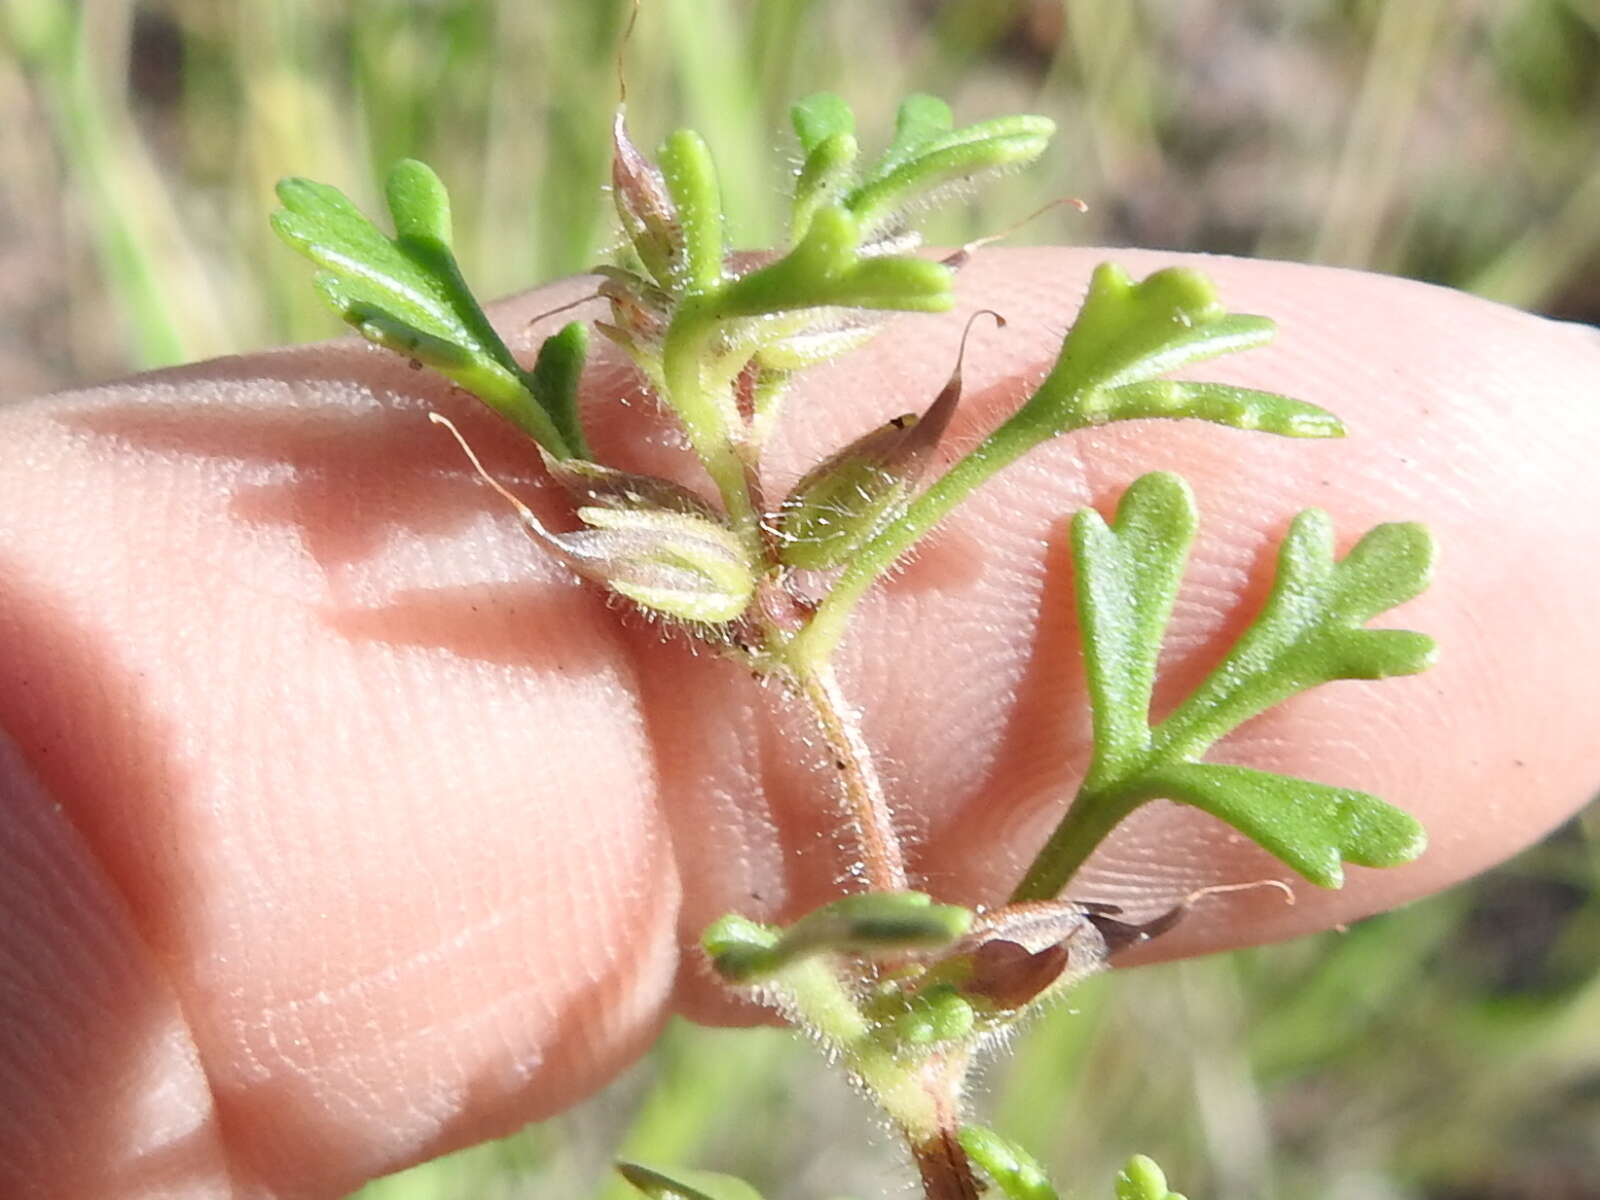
(674, 563)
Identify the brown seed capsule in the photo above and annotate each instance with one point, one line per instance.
(649, 217)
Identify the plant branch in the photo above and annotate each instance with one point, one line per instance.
(883, 864)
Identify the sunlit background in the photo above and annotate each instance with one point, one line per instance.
(1448, 1052)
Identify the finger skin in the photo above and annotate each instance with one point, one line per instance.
(399, 830)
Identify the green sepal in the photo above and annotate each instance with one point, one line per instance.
(690, 174)
(406, 293)
(820, 116)
(826, 270)
(1014, 1171)
(677, 564)
(681, 1183)
(555, 377)
(927, 153)
(1141, 1179)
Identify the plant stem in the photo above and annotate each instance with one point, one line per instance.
(883, 864)
(708, 424)
(946, 1172)
(1092, 815)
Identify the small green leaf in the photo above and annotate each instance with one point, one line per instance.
(681, 1183)
(927, 154)
(1219, 403)
(822, 178)
(1312, 827)
(1309, 631)
(820, 116)
(826, 270)
(869, 923)
(1128, 577)
(691, 178)
(556, 373)
(919, 120)
(1014, 1171)
(739, 947)
(406, 292)
(1127, 333)
(1141, 1179)
(939, 1014)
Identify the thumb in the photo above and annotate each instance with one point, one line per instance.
(348, 830)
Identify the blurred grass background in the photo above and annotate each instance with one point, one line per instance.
(1447, 1052)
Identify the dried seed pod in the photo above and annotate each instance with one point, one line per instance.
(845, 500)
(649, 217)
(592, 484)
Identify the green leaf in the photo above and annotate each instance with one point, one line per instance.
(691, 178)
(870, 923)
(919, 120)
(1014, 1171)
(1219, 403)
(826, 269)
(1127, 333)
(1310, 826)
(682, 1183)
(406, 292)
(927, 153)
(822, 178)
(1309, 632)
(820, 116)
(1128, 577)
(556, 374)
(1141, 1179)
(1124, 337)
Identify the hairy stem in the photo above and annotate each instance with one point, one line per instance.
(883, 864)
(708, 424)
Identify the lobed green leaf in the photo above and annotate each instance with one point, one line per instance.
(406, 292)
(1128, 577)
(1309, 632)
(1312, 827)
(927, 154)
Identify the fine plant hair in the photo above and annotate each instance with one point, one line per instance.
(901, 989)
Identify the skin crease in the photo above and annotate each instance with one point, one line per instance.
(341, 828)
